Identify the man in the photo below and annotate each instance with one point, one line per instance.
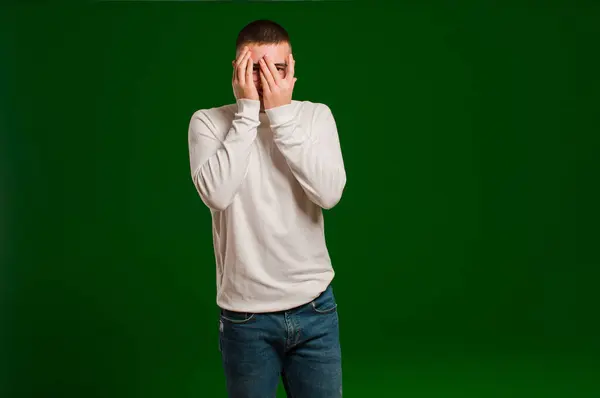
(266, 167)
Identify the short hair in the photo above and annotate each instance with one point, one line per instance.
(262, 31)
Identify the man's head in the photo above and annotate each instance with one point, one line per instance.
(265, 37)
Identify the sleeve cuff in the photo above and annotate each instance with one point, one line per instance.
(280, 115)
(248, 108)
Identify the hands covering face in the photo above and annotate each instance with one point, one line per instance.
(242, 80)
(276, 90)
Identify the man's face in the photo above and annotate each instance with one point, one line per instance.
(277, 53)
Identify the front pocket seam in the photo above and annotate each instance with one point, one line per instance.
(323, 311)
(238, 320)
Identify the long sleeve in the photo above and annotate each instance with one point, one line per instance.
(219, 166)
(312, 153)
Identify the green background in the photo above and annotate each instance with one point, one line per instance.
(465, 245)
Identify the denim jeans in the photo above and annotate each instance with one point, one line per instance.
(301, 345)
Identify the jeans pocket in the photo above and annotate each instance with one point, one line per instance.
(236, 317)
(325, 303)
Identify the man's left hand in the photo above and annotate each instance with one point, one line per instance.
(277, 91)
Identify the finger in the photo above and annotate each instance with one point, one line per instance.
(268, 75)
(241, 56)
(242, 68)
(237, 63)
(249, 67)
(273, 69)
(290, 70)
(265, 85)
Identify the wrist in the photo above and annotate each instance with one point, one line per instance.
(281, 114)
(248, 108)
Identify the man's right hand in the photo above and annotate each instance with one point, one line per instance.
(242, 80)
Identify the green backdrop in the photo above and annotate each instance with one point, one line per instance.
(465, 245)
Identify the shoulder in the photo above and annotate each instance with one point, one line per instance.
(312, 111)
(217, 119)
(224, 113)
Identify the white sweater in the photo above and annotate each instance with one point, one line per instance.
(266, 177)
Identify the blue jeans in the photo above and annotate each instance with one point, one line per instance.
(301, 345)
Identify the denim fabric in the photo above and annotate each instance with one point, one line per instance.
(301, 345)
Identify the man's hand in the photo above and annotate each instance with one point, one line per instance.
(242, 81)
(277, 91)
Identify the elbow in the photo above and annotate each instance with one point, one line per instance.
(330, 202)
(214, 203)
(333, 197)
(210, 197)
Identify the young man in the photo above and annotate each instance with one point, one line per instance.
(266, 166)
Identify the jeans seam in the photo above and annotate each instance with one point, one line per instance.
(238, 321)
(323, 311)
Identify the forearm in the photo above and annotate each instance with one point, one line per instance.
(219, 168)
(218, 179)
(314, 157)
